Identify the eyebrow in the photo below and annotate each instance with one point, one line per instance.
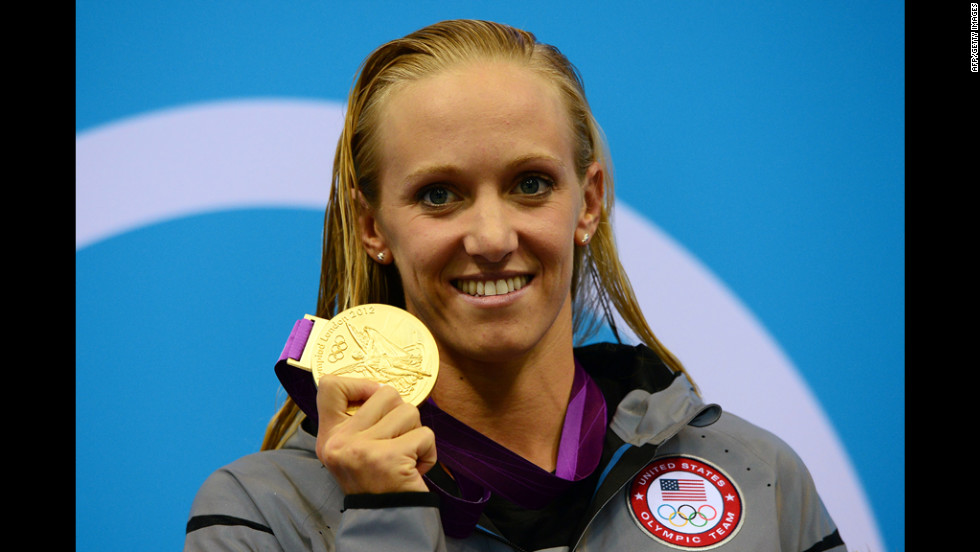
(451, 169)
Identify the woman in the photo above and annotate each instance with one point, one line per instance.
(471, 188)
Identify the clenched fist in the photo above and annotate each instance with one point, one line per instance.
(382, 448)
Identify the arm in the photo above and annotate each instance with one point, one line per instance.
(287, 500)
(394, 521)
(223, 517)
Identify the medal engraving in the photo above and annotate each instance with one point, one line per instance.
(376, 342)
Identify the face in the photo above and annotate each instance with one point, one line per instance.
(480, 207)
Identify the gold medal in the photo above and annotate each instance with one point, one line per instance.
(377, 342)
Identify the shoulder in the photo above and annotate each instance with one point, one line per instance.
(744, 447)
(286, 493)
(766, 446)
(266, 474)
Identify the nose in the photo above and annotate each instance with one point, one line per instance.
(491, 234)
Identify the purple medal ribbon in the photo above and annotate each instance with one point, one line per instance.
(296, 381)
(481, 466)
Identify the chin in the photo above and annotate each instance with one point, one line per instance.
(515, 345)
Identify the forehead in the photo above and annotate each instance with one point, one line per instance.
(488, 85)
(493, 109)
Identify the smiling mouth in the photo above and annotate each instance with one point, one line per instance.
(485, 288)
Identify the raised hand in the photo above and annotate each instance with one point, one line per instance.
(382, 447)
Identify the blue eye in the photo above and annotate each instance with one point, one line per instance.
(436, 195)
(533, 185)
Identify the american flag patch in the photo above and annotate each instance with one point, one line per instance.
(682, 489)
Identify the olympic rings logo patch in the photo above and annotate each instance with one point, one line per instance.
(685, 503)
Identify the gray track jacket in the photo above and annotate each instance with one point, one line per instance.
(677, 474)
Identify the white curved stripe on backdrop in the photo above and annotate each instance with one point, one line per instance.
(203, 157)
(218, 156)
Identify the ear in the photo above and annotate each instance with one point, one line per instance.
(593, 191)
(372, 237)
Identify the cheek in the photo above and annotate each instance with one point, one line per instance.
(401, 232)
(420, 249)
(554, 230)
(554, 253)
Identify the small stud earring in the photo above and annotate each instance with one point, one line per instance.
(585, 238)
(381, 256)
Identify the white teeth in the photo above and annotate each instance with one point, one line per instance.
(502, 287)
(491, 287)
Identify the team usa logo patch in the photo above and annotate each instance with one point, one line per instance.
(686, 503)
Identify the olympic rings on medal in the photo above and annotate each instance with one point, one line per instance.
(693, 518)
(337, 350)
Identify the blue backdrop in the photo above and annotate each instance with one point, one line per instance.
(766, 139)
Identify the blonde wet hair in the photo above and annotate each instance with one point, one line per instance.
(350, 276)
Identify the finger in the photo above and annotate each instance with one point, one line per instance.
(335, 394)
(426, 450)
(385, 466)
(399, 419)
(420, 442)
(384, 400)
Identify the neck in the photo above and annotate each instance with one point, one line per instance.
(520, 403)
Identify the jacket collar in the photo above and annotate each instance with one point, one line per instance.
(654, 403)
